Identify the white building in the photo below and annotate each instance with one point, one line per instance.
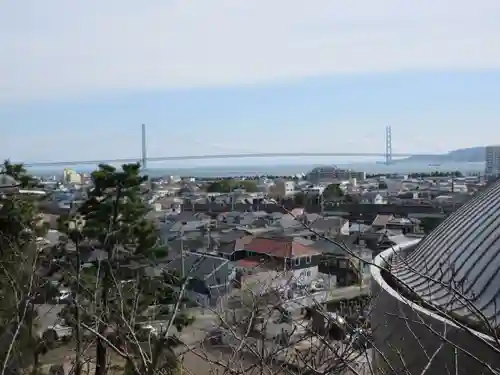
(492, 169)
(71, 177)
(283, 188)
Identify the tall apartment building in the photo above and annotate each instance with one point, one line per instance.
(329, 174)
(71, 177)
(492, 168)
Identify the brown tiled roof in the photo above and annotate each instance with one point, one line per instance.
(281, 248)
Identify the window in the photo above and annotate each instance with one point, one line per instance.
(297, 261)
(308, 259)
(308, 273)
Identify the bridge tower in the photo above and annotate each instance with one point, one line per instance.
(388, 145)
(144, 148)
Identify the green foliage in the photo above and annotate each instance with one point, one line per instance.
(123, 285)
(456, 174)
(249, 186)
(21, 281)
(333, 191)
(112, 294)
(19, 173)
(428, 224)
(226, 186)
(299, 199)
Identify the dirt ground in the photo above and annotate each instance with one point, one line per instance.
(65, 355)
(199, 364)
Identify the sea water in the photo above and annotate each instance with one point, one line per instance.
(286, 169)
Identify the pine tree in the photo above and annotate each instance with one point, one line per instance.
(120, 286)
(19, 173)
(21, 279)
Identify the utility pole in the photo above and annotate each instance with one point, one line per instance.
(361, 265)
(232, 198)
(182, 253)
(322, 204)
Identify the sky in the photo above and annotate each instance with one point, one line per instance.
(77, 78)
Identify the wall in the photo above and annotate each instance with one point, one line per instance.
(403, 331)
(352, 209)
(345, 228)
(305, 275)
(260, 282)
(198, 298)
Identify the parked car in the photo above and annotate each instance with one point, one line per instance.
(144, 332)
(56, 333)
(64, 296)
(317, 286)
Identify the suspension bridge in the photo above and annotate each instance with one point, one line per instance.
(144, 159)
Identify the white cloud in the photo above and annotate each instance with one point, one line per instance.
(56, 48)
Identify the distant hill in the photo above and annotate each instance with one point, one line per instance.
(462, 155)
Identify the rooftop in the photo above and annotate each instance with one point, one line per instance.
(462, 253)
(282, 248)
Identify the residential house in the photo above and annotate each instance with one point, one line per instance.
(210, 277)
(358, 228)
(392, 237)
(330, 226)
(381, 221)
(372, 197)
(320, 227)
(382, 239)
(312, 190)
(408, 195)
(190, 241)
(349, 265)
(189, 189)
(398, 224)
(177, 224)
(404, 225)
(285, 260)
(236, 218)
(283, 188)
(230, 245)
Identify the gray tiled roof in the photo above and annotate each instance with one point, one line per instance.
(328, 223)
(464, 251)
(213, 270)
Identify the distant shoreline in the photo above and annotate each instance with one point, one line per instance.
(289, 169)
